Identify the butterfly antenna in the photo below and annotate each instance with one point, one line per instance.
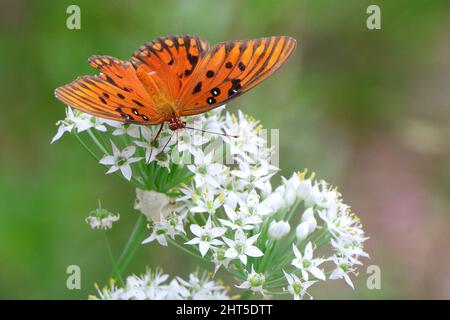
(211, 132)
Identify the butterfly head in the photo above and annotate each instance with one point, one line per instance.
(175, 123)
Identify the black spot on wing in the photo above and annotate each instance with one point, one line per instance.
(140, 104)
(102, 99)
(215, 92)
(211, 100)
(197, 88)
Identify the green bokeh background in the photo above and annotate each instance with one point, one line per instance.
(368, 110)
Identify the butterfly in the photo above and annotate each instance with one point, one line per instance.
(173, 77)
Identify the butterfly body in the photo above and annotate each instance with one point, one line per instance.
(173, 77)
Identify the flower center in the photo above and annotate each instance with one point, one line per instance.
(121, 161)
(210, 205)
(297, 287)
(306, 264)
(162, 156)
(160, 232)
(344, 267)
(239, 247)
(205, 238)
(256, 280)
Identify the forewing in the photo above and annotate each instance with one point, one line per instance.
(232, 68)
(172, 59)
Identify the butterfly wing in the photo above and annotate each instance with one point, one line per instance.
(117, 93)
(232, 68)
(171, 59)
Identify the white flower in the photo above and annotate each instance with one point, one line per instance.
(296, 287)
(252, 206)
(308, 217)
(278, 230)
(255, 282)
(153, 148)
(159, 233)
(205, 171)
(254, 212)
(248, 144)
(130, 129)
(312, 196)
(175, 291)
(191, 140)
(206, 236)
(341, 271)
(207, 203)
(304, 189)
(302, 231)
(288, 190)
(102, 219)
(154, 286)
(65, 125)
(219, 259)
(203, 288)
(253, 176)
(241, 247)
(120, 160)
(306, 263)
(274, 201)
(307, 226)
(79, 121)
(349, 248)
(86, 121)
(239, 220)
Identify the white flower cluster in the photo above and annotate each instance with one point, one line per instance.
(156, 286)
(102, 219)
(220, 205)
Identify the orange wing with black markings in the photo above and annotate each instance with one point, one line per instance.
(174, 76)
(232, 68)
(173, 59)
(115, 94)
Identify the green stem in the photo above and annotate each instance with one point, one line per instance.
(115, 273)
(133, 243)
(246, 295)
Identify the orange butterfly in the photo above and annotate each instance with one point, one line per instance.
(173, 77)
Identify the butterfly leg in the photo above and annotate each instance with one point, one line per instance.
(167, 143)
(158, 133)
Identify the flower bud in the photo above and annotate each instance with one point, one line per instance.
(274, 201)
(290, 196)
(266, 189)
(278, 230)
(302, 231)
(304, 189)
(308, 216)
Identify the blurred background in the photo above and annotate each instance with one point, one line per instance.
(368, 110)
